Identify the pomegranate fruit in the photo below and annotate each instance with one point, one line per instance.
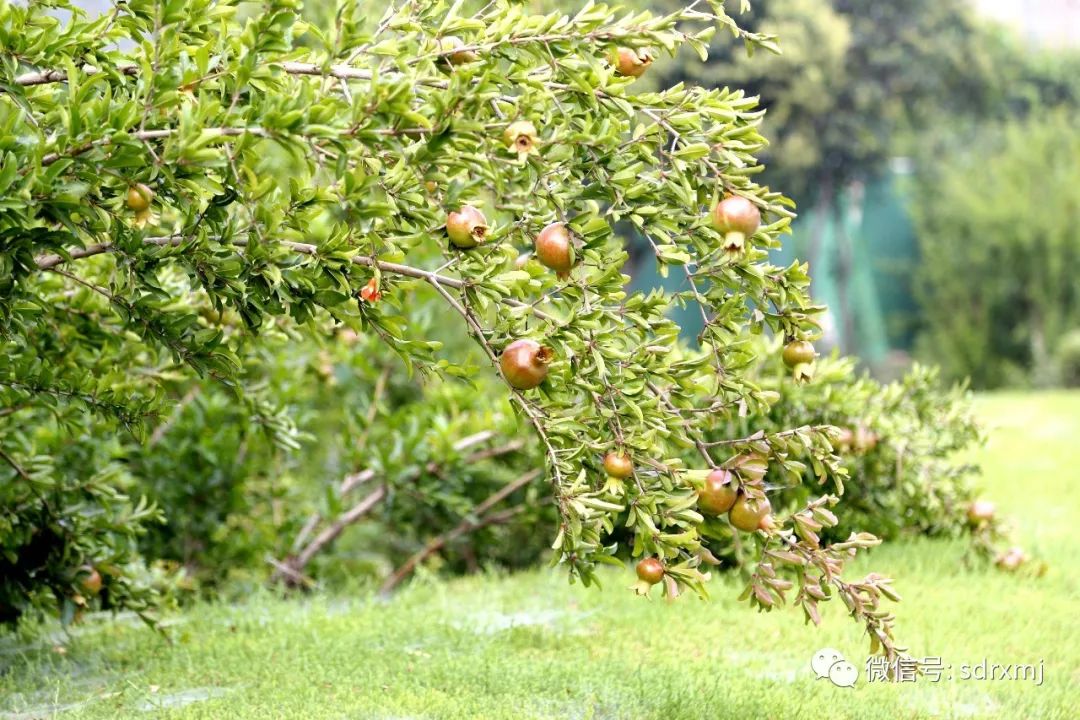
(865, 439)
(981, 511)
(799, 352)
(618, 465)
(90, 582)
(650, 570)
(467, 227)
(632, 63)
(737, 218)
(747, 512)
(520, 137)
(139, 197)
(451, 48)
(554, 248)
(718, 494)
(524, 363)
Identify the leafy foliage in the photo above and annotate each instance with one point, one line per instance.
(1013, 232)
(299, 178)
(66, 514)
(415, 454)
(902, 443)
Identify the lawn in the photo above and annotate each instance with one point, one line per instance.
(531, 646)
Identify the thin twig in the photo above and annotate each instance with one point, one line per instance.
(4, 412)
(14, 464)
(760, 435)
(160, 430)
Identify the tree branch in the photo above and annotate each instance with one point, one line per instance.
(331, 533)
(473, 521)
(349, 482)
(49, 159)
(47, 262)
(14, 465)
(44, 77)
(761, 435)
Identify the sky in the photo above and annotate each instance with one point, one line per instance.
(1047, 22)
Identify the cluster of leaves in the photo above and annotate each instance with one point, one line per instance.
(902, 443)
(1003, 211)
(307, 184)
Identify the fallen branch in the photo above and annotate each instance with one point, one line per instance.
(301, 557)
(329, 535)
(474, 521)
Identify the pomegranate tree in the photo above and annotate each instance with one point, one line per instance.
(310, 183)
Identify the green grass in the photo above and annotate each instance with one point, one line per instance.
(530, 646)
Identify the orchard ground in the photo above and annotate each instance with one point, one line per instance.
(530, 646)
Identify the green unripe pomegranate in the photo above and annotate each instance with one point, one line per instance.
(139, 197)
(799, 352)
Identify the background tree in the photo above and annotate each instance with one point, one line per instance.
(1004, 212)
(854, 79)
(853, 74)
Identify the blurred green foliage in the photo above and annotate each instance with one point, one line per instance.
(239, 496)
(904, 444)
(1068, 359)
(998, 231)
